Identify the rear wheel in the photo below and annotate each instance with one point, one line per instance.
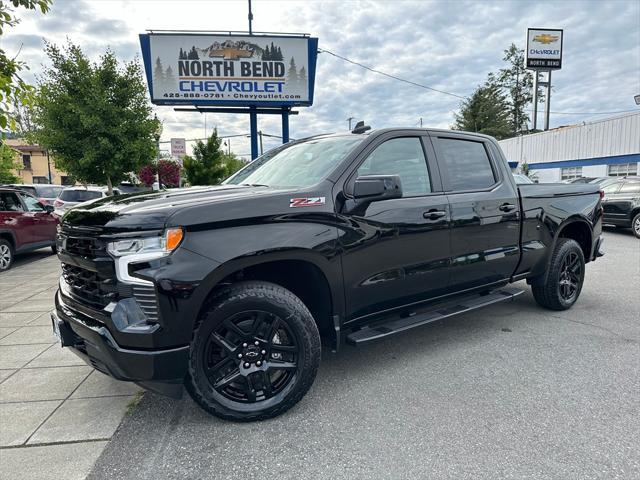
(564, 279)
(254, 354)
(6, 255)
(635, 225)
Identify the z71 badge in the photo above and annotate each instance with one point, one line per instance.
(307, 202)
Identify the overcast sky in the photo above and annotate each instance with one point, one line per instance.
(449, 45)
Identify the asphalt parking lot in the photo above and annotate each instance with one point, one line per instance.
(512, 391)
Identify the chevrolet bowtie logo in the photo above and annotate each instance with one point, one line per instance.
(545, 38)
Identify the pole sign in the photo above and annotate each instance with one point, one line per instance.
(178, 148)
(229, 70)
(544, 49)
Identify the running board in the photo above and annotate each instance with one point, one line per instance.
(430, 314)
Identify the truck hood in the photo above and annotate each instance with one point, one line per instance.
(150, 210)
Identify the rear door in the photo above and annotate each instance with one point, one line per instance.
(485, 214)
(396, 251)
(619, 202)
(43, 223)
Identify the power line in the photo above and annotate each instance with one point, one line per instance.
(389, 75)
(416, 84)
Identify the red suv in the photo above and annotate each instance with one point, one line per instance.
(25, 225)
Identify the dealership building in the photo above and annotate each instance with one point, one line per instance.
(608, 147)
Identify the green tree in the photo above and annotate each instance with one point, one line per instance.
(13, 89)
(8, 164)
(516, 82)
(94, 117)
(207, 166)
(486, 111)
(232, 164)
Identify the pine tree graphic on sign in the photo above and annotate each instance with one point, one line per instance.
(158, 74)
(292, 76)
(302, 77)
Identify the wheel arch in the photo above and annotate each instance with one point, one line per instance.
(9, 236)
(579, 229)
(310, 276)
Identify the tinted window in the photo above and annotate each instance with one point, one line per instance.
(403, 157)
(9, 202)
(79, 195)
(467, 163)
(30, 189)
(48, 191)
(32, 204)
(630, 187)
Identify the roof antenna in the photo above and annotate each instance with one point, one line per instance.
(360, 127)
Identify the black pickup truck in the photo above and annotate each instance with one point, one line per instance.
(227, 290)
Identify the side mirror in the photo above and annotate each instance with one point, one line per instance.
(373, 188)
(49, 208)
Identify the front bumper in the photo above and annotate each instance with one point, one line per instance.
(162, 371)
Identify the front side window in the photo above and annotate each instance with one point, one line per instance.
(32, 204)
(9, 202)
(630, 187)
(297, 165)
(467, 163)
(403, 157)
(570, 173)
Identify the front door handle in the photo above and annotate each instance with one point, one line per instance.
(434, 214)
(507, 207)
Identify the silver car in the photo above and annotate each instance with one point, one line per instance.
(72, 196)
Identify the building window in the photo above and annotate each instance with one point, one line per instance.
(623, 169)
(40, 180)
(570, 173)
(66, 180)
(26, 161)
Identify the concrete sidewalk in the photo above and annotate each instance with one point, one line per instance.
(56, 413)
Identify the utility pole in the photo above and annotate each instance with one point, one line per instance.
(250, 16)
(349, 120)
(420, 122)
(260, 135)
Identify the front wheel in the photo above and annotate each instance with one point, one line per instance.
(254, 354)
(635, 225)
(6, 255)
(564, 278)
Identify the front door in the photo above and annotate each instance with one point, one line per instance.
(485, 214)
(43, 223)
(13, 219)
(396, 251)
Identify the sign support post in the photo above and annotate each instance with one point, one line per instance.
(534, 121)
(285, 125)
(548, 102)
(253, 121)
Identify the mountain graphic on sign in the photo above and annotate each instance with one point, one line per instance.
(230, 50)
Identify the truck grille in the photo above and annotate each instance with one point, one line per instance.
(85, 246)
(89, 287)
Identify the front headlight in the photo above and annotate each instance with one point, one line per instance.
(160, 245)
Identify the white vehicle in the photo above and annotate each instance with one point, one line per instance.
(72, 196)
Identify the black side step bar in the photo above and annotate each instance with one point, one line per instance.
(431, 314)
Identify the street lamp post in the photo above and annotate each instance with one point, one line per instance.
(157, 134)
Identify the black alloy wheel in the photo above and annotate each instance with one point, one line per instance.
(564, 277)
(251, 357)
(570, 276)
(254, 354)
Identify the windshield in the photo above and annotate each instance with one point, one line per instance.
(79, 195)
(297, 165)
(48, 192)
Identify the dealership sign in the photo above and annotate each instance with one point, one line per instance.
(218, 69)
(544, 49)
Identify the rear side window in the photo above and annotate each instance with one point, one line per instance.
(630, 187)
(9, 202)
(467, 163)
(79, 195)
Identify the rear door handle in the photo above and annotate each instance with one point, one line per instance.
(507, 207)
(434, 214)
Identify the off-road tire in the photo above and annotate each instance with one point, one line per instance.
(635, 225)
(548, 294)
(238, 298)
(6, 254)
